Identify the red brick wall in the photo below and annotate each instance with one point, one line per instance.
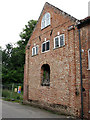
(64, 64)
(85, 45)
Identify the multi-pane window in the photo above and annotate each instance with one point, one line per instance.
(59, 41)
(35, 50)
(45, 20)
(45, 46)
(89, 59)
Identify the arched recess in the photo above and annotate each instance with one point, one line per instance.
(45, 75)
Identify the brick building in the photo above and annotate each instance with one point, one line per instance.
(57, 63)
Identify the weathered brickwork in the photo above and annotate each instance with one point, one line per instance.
(64, 92)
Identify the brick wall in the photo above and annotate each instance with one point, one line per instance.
(64, 65)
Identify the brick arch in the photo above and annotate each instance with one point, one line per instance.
(45, 75)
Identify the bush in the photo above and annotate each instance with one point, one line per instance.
(6, 93)
(9, 95)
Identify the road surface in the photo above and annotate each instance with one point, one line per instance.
(16, 110)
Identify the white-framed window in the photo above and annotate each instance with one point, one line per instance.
(45, 20)
(59, 41)
(35, 50)
(89, 59)
(45, 46)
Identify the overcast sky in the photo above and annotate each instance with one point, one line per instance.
(14, 15)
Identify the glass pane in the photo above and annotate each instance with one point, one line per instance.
(43, 19)
(47, 15)
(47, 45)
(43, 47)
(43, 25)
(33, 51)
(36, 50)
(61, 40)
(57, 42)
(47, 22)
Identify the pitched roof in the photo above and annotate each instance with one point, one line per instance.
(61, 12)
(84, 22)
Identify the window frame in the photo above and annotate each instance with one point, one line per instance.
(88, 59)
(35, 50)
(44, 20)
(58, 36)
(45, 46)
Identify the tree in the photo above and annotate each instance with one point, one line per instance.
(27, 31)
(13, 58)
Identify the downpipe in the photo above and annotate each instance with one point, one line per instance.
(81, 75)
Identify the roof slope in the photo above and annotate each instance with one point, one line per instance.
(61, 12)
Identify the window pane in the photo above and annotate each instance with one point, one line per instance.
(61, 40)
(47, 15)
(47, 45)
(56, 42)
(43, 19)
(47, 22)
(43, 47)
(47, 18)
(36, 50)
(33, 51)
(43, 25)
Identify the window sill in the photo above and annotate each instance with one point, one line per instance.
(58, 47)
(45, 27)
(46, 51)
(34, 55)
(45, 86)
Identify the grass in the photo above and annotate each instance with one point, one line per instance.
(12, 96)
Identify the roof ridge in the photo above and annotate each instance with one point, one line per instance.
(46, 3)
(61, 10)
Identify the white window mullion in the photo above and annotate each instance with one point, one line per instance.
(59, 40)
(54, 42)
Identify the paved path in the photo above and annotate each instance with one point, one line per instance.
(16, 110)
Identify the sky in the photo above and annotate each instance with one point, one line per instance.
(15, 14)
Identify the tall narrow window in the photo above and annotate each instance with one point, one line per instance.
(62, 41)
(89, 59)
(45, 46)
(45, 20)
(56, 42)
(59, 41)
(35, 50)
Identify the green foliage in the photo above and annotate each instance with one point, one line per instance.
(9, 95)
(13, 58)
(6, 93)
(27, 31)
